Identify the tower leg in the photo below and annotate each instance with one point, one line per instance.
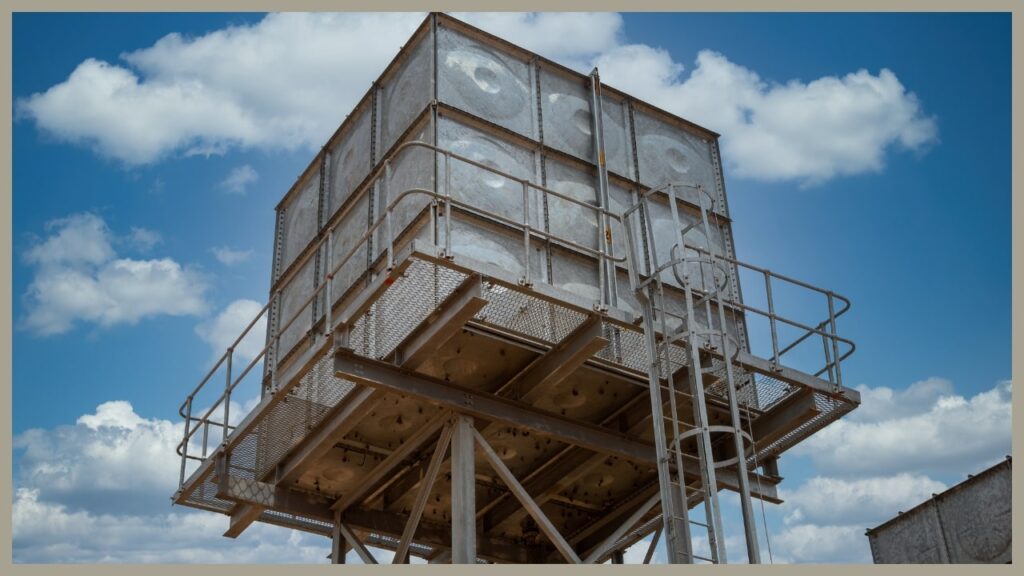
(463, 492)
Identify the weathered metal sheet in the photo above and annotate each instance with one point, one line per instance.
(976, 520)
(568, 121)
(407, 92)
(412, 169)
(485, 81)
(349, 162)
(668, 153)
(494, 244)
(568, 220)
(486, 190)
(293, 296)
(347, 236)
(576, 274)
(300, 220)
(968, 524)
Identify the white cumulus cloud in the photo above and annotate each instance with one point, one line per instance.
(239, 179)
(809, 132)
(229, 256)
(222, 331)
(77, 277)
(950, 434)
(287, 81)
(888, 456)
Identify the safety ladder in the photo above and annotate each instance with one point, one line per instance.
(680, 348)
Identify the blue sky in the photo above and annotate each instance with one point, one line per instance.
(907, 214)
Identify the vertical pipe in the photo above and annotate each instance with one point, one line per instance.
(463, 492)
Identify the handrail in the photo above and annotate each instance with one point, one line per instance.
(833, 358)
(530, 233)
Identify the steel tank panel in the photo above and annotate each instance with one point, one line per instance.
(348, 162)
(576, 274)
(300, 224)
(668, 153)
(483, 189)
(484, 81)
(665, 237)
(494, 244)
(566, 219)
(568, 122)
(912, 538)
(293, 295)
(412, 168)
(347, 236)
(618, 137)
(619, 200)
(406, 93)
(976, 520)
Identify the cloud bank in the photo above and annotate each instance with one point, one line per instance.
(77, 276)
(286, 82)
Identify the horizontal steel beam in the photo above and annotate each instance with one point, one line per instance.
(386, 377)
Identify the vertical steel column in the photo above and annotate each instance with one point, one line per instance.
(605, 265)
(339, 547)
(463, 491)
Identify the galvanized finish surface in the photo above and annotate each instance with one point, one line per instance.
(498, 181)
(967, 524)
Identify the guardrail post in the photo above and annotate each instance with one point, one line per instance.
(527, 281)
(835, 343)
(184, 440)
(771, 319)
(328, 299)
(447, 205)
(227, 396)
(387, 214)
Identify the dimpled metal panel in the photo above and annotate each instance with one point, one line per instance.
(412, 168)
(406, 93)
(293, 297)
(300, 220)
(670, 154)
(568, 220)
(484, 81)
(565, 110)
(486, 190)
(349, 162)
(348, 236)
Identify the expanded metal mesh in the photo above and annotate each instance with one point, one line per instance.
(405, 305)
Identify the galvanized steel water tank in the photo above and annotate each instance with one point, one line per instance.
(481, 97)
